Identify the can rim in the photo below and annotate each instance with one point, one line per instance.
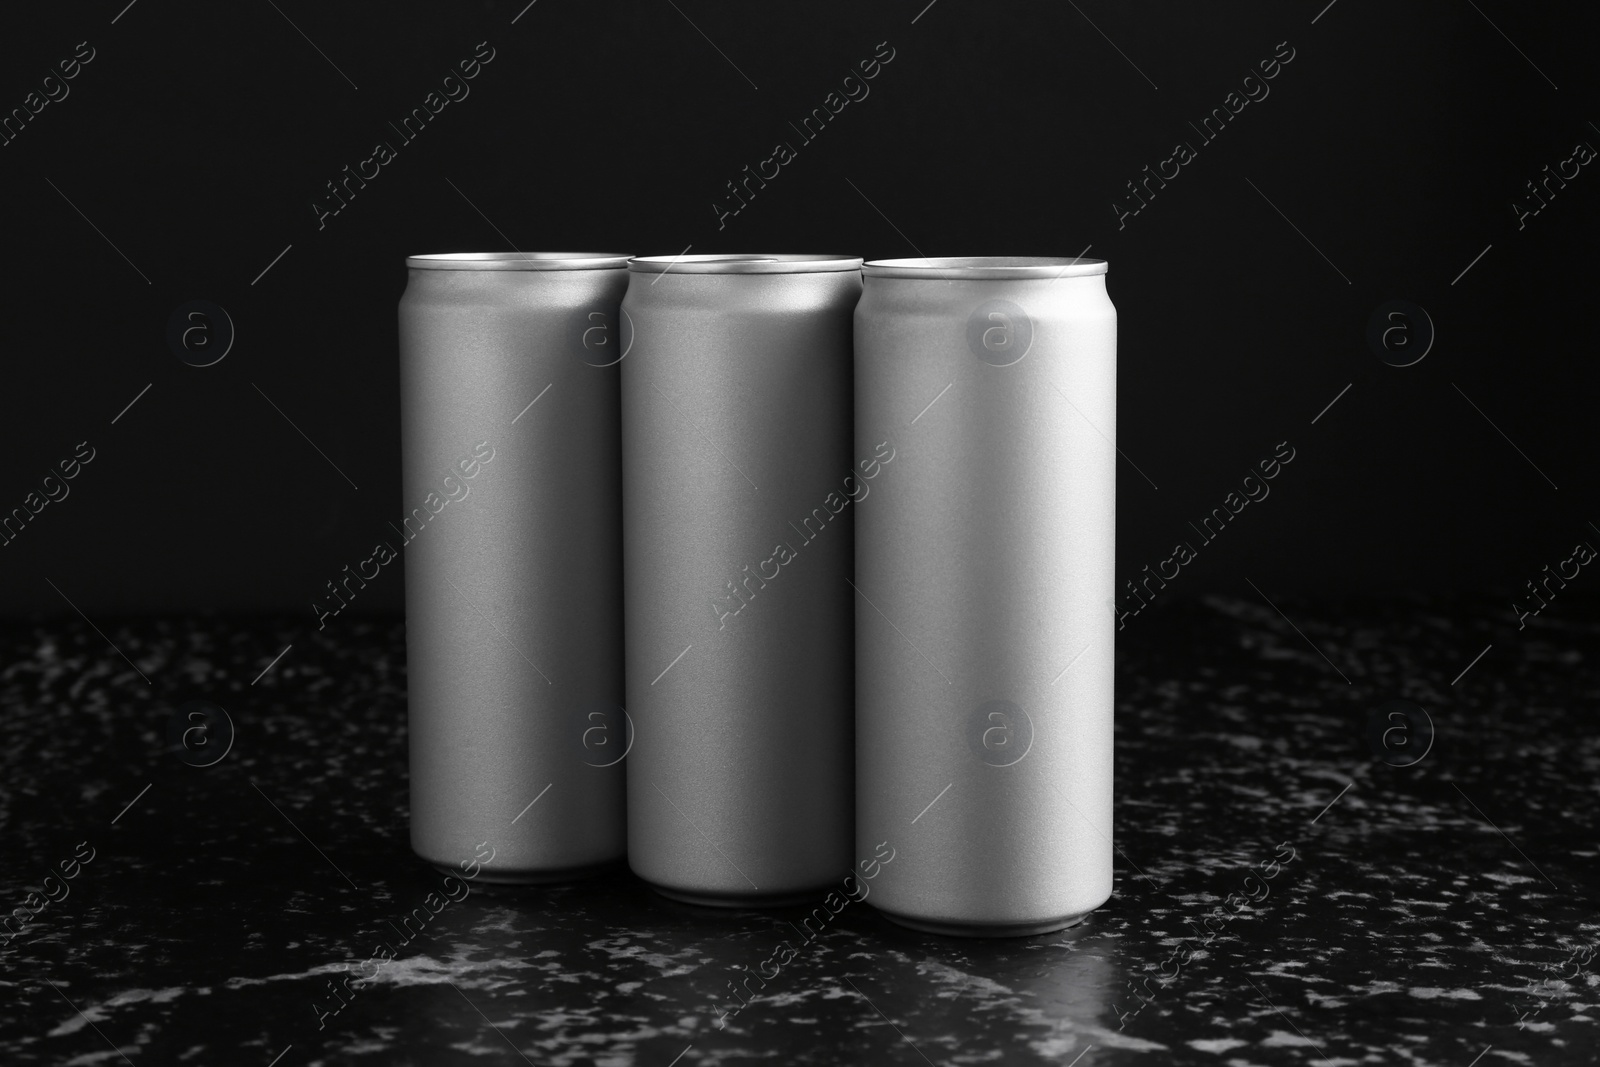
(743, 263)
(986, 267)
(518, 261)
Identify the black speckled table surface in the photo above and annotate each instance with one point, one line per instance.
(1305, 875)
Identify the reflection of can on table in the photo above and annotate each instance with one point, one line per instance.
(512, 543)
(985, 565)
(737, 540)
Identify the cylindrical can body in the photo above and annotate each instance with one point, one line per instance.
(738, 501)
(984, 562)
(512, 487)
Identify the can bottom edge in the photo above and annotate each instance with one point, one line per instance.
(710, 899)
(961, 928)
(543, 876)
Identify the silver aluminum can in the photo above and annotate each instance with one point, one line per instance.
(737, 542)
(984, 560)
(512, 485)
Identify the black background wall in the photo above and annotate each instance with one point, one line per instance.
(184, 161)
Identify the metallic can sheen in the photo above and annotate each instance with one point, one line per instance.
(512, 483)
(984, 561)
(737, 518)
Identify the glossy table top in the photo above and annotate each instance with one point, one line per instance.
(1298, 880)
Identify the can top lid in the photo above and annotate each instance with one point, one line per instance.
(1005, 268)
(519, 261)
(761, 263)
